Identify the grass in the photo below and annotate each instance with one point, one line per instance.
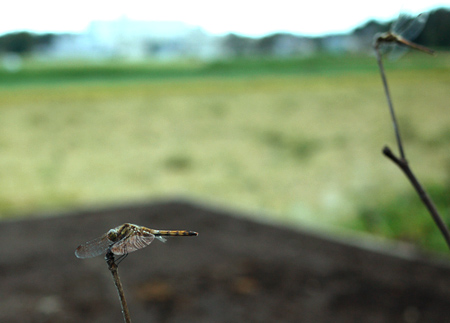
(296, 141)
(405, 218)
(54, 73)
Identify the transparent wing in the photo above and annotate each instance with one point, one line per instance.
(396, 51)
(393, 50)
(409, 27)
(401, 24)
(161, 238)
(93, 248)
(415, 27)
(131, 243)
(386, 48)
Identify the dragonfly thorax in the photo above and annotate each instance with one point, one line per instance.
(386, 37)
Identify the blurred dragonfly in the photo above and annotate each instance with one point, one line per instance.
(124, 239)
(402, 32)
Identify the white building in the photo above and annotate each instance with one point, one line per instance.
(133, 39)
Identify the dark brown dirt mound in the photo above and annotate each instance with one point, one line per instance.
(236, 270)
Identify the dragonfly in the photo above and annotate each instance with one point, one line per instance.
(124, 239)
(402, 31)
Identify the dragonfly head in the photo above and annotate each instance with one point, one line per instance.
(112, 235)
(377, 39)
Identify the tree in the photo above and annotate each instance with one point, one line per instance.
(437, 30)
(24, 42)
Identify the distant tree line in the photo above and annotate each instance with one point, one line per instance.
(24, 42)
(437, 30)
(436, 34)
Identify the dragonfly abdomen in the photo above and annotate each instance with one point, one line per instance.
(174, 233)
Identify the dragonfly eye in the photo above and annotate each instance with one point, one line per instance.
(112, 235)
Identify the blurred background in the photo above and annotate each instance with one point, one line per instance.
(277, 112)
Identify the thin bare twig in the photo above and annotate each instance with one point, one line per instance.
(402, 162)
(404, 166)
(112, 266)
(391, 106)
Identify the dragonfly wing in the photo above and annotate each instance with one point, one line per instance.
(386, 48)
(93, 248)
(392, 50)
(415, 27)
(396, 52)
(409, 27)
(132, 243)
(402, 23)
(161, 238)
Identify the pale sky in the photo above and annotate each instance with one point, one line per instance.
(246, 17)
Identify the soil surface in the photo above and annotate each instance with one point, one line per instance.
(236, 270)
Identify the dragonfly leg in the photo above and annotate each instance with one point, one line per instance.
(121, 258)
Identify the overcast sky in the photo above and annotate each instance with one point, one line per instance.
(246, 17)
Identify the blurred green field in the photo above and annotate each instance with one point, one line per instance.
(297, 140)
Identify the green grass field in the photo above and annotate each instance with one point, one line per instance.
(296, 141)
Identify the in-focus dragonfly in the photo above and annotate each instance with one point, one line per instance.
(124, 239)
(403, 30)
